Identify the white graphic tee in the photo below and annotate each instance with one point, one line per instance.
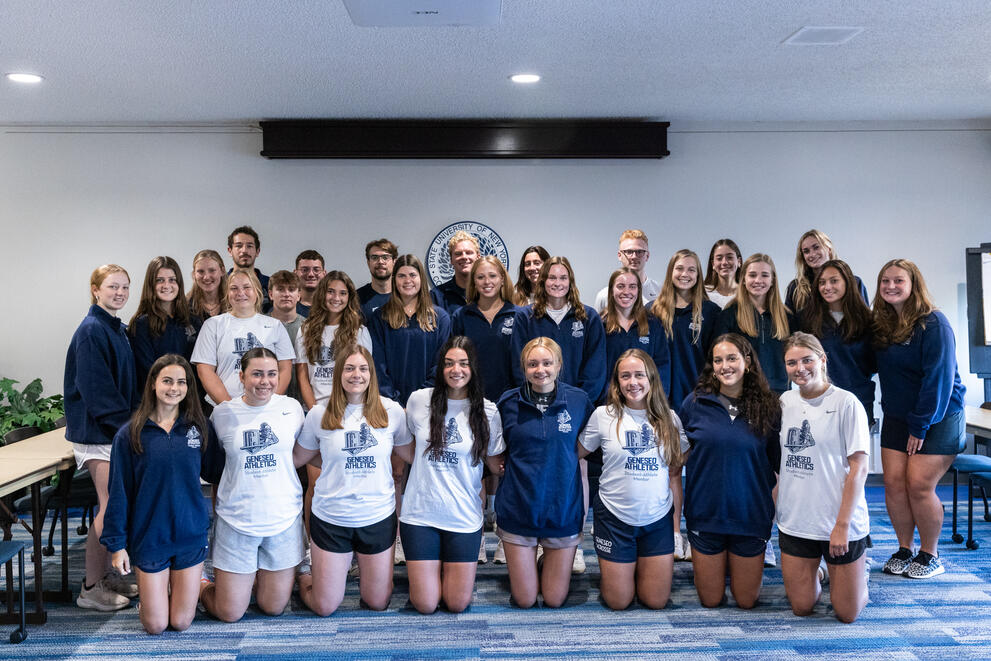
(322, 371)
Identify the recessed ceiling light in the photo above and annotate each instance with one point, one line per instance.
(524, 78)
(24, 77)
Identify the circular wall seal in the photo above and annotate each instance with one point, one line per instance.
(439, 260)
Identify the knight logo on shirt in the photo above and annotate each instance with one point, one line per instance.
(326, 354)
(638, 442)
(564, 422)
(451, 434)
(694, 327)
(798, 440)
(507, 326)
(577, 330)
(193, 437)
(359, 441)
(243, 345)
(256, 440)
(645, 339)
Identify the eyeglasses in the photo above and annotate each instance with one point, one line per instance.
(634, 253)
(311, 269)
(380, 258)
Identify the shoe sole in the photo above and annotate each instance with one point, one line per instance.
(941, 570)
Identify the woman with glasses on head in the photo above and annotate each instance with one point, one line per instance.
(814, 250)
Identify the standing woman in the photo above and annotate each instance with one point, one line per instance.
(732, 420)
(258, 533)
(758, 314)
(441, 524)
(540, 495)
(353, 438)
(487, 320)
(822, 510)
(814, 250)
(723, 272)
(162, 323)
(628, 326)
(407, 333)
(642, 446)
(922, 400)
(557, 313)
(689, 320)
(837, 315)
(100, 393)
(526, 279)
(157, 519)
(225, 338)
(208, 295)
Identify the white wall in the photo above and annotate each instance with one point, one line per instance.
(74, 199)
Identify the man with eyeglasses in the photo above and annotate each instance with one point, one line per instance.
(309, 270)
(381, 256)
(633, 253)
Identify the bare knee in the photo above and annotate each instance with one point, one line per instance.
(617, 603)
(271, 607)
(801, 610)
(154, 625)
(654, 602)
(457, 604)
(554, 601)
(524, 599)
(377, 603)
(181, 622)
(425, 606)
(324, 608)
(746, 603)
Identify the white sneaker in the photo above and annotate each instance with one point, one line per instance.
(305, 567)
(120, 585)
(500, 554)
(353, 571)
(686, 549)
(540, 554)
(770, 560)
(822, 573)
(100, 597)
(400, 555)
(578, 565)
(482, 559)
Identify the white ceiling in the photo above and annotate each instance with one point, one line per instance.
(686, 61)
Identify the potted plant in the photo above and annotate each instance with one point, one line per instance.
(27, 408)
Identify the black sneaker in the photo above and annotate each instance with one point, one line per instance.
(924, 565)
(898, 563)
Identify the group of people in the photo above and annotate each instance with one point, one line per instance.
(343, 424)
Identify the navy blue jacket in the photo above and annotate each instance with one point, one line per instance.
(583, 345)
(175, 339)
(405, 358)
(156, 508)
(790, 294)
(540, 494)
(920, 383)
(370, 300)
(654, 343)
(767, 348)
(448, 296)
(851, 365)
(100, 385)
(494, 343)
(687, 355)
(730, 471)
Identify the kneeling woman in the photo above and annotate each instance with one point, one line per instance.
(352, 439)
(822, 511)
(157, 518)
(441, 523)
(540, 496)
(258, 532)
(642, 447)
(732, 420)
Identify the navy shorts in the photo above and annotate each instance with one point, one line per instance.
(948, 436)
(179, 561)
(816, 548)
(427, 543)
(713, 543)
(367, 540)
(620, 542)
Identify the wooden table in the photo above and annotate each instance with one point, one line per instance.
(28, 463)
(978, 421)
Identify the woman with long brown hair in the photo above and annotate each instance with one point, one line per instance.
(208, 295)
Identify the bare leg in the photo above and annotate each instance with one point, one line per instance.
(323, 590)
(425, 586)
(97, 557)
(848, 588)
(895, 466)
(745, 578)
(654, 575)
(154, 591)
(523, 579)
(710, 577)
(375, 582)
(555, 576)
(459, 585)
(923, 472)
(618, 584)
(801, 583)
(185, 584)
(228, 598)
(274, 589)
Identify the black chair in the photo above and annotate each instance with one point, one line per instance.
(970, 464)
(19, 434)
(7, 552)
(982, 481)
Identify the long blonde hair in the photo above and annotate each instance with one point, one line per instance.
(804, 275)
(663, 307)
(393, 312)
(195, 296)
(373, 411)
(658, 410)
(505, 292)
(746, 313)
(891, 327)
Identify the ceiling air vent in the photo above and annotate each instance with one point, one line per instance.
(423, 13)
(822, 36)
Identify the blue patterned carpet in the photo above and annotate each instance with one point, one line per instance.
(948, 617)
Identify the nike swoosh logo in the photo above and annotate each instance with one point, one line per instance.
(286, 412)
(833, 411)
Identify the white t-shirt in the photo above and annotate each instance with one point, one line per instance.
(322, 372)
(722, 300)
(444, 493)
(355, 486)
(225, 338)
(634, 485)
(259, 493)
(817, 437)
(651, 290)
(559, 315)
